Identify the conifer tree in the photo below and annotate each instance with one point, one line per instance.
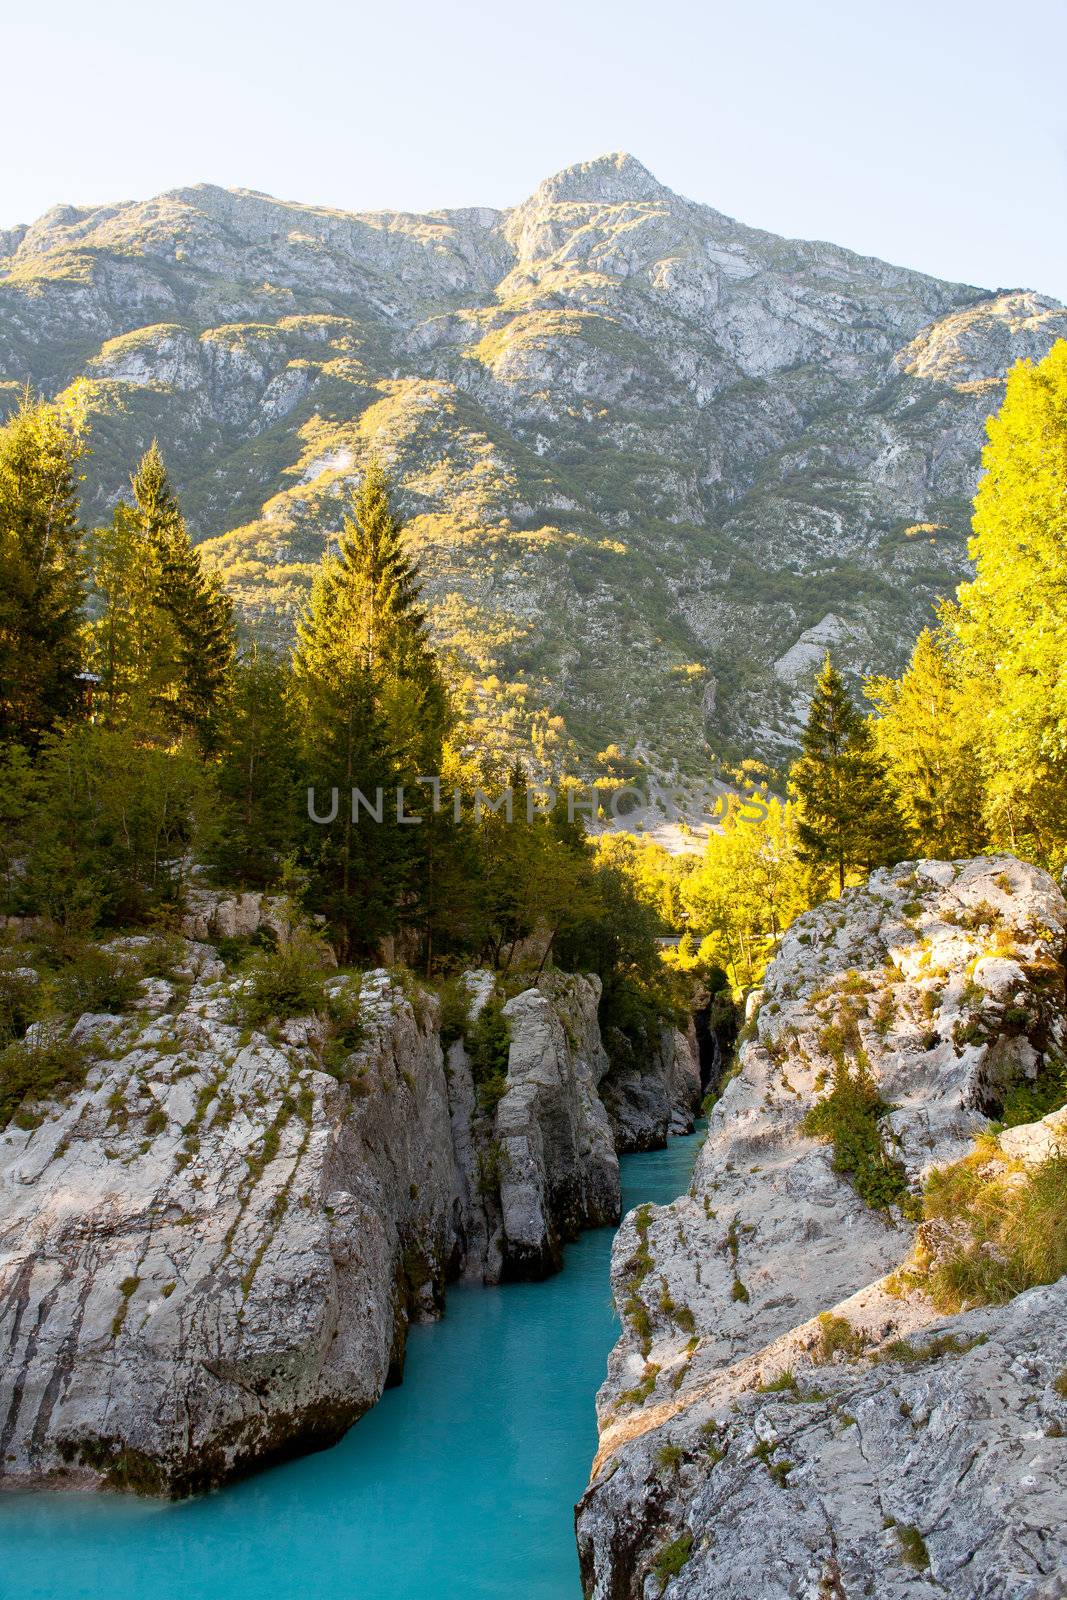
(130, 639)
(372, 710)
(258, 775)
(388, 627)
(846, 816)
(40, 571)
(196, 603)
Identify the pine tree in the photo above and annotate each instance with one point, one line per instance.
(846, 815)
(130, 639)
(196, 603)
(372, 710)
(40, 571)
(387, 626)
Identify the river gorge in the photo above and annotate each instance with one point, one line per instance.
(462, 1481)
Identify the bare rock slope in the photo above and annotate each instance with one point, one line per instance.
(788, 1412)
(613, 414)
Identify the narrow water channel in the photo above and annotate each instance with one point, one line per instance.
(460, 1483)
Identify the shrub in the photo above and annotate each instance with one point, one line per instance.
(20, 1002)
(287, 982)
(98, 980)
(346, 1029)
(491, 1091)
(40, 1067)
(455, 1009)
(489, 1041)
(848, 1118)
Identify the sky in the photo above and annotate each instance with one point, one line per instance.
(932, 134)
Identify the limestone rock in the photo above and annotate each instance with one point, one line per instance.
(209, 1254)
(611, 412)
(934, 1473)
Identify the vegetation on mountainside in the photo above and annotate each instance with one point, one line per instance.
(992, 1228)
(176, 753)
(965, 752)
(187, 750)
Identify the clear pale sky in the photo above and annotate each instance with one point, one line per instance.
(933, 134)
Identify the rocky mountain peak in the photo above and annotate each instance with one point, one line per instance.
(611, 179)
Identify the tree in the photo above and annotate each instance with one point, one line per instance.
(130, 639)
(376, 595)
(928, 733)
(40, 570)
(746, 891)
(846, 815)
(195, 602)
(110, 827)
(258, 775)
(372, 710)
(1012, 620)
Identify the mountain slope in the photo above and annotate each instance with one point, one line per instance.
(653, 459)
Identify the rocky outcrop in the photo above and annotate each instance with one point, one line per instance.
(208, 1255)
(787, 1412)
(540, 1164)
(647, 1099)
(210, 1252)
(213, 914)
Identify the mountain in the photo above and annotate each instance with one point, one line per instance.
(653, 460)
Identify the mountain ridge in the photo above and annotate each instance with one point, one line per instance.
(644, 450)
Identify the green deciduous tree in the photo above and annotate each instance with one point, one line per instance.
(928, 733)
(1012, 620)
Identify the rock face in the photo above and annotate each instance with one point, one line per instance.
(749, 1449)
(207, 1257)
(210, 1253)
(613, 414)
(647, 1100)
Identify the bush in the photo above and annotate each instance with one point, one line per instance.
(98, 980)
(491, 1091)
(40, 1067)
(346, 1029)
(489, 1041)
(455, 1009)
(849, 1118)
(287, 982)
(20, 1002)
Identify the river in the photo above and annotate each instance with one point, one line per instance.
(459, 1485)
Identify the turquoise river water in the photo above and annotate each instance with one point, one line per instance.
(460, 1483)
